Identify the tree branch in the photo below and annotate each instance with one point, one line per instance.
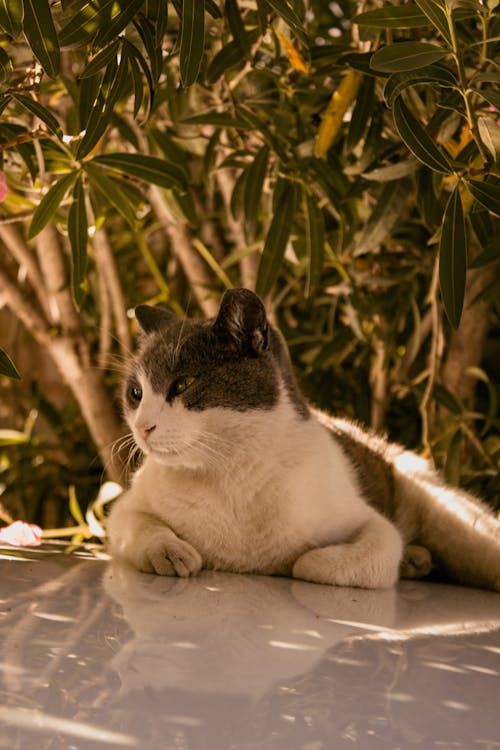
(106, 263)
(55, 272)
(21, 252)
(191, 263)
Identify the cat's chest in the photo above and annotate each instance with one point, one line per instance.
(234, 527)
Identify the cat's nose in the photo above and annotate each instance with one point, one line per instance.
(146, 431)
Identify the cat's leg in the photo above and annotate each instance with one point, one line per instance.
(147, 543)
(370, 559)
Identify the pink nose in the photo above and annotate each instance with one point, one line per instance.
(145, 432)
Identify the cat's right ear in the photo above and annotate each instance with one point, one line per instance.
(153, 319)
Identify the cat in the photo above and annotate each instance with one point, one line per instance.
(240, 474)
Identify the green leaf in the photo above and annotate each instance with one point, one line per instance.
(416, 137)
(146, 31)
(315, 243)
(402, 56)
(50, 203)
(192, 40)
(290, 17)
(489, 132)
(121, 15)
(393, 171)
(37, 109)
(112, 88)
(384, 216)
(362, 112)
(78, 238)
(11, 17)
(99, 61)
(277, 237)
(398, 82)
(490, 254)
(453, 258)
(393, 17)
(492, 97)
(111, 193)
(7, 367)
(41, 35)
(147, 168)
(237, 27)
(218, 119)
(256, 174)
(135, 55)
(5, 65)
(486, 192)
(436, 14)
(105, 18)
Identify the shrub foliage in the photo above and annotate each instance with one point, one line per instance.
(341, 159)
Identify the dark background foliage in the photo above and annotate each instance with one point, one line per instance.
(341, 159)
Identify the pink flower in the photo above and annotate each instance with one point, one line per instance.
(3, 187)
(21, 534)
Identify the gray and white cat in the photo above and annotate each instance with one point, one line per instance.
(241, 475)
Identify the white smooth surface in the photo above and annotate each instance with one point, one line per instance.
(98, 656)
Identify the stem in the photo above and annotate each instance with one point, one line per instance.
(462, 76)
(433, 357)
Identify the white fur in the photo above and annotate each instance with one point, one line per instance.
(256, 491)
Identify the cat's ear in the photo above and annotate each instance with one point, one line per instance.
(242, 322)
(153, 319)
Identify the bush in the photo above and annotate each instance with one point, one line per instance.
(345, 166)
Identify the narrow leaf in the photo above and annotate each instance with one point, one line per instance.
(402, 56)
(50, 203)
(41, 35)
(39, 111)
(277, 237)
(362, 112)
(437, 16)
(237, 27)
(256, 173)
(315, 243)
(393, 17)
(11, 17)
(111, 193)
(112, 87)
(218, 119)
(192, 40)
(453, 258)
(122, 13)
(418, 140)
(7, 367)
(99, 61)
(146, 30)
(290, 17)
(147, 168)
(78, 237)
(384, 216)
(486, 192)
(398, 82)
(104, 19)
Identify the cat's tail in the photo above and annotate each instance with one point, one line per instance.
(461, 533)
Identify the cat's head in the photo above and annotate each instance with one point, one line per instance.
(195, 385)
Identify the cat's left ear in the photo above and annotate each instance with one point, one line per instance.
(242, 321)
(153, 319)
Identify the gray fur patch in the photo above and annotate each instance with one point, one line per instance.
(235, 362)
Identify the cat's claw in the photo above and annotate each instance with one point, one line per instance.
(171, 558)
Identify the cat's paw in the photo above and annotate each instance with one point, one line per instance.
(169, 556)
(416, 562)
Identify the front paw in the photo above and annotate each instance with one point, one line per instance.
(169, 556)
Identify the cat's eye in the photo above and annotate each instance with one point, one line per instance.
(180, 385)
(136, 393)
